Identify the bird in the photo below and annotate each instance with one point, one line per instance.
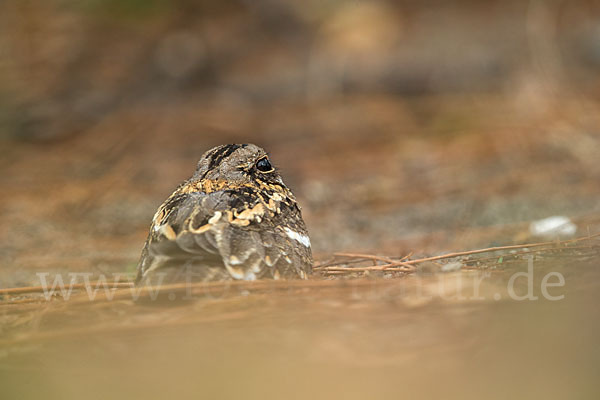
(233, 219)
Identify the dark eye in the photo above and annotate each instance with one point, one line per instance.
(263, 165)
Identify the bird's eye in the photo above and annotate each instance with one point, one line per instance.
(263, 165)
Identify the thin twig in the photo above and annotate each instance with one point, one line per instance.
(372, 268)
(410, 263)
(366, 257)
(336, 262)
(75, 286)
(490, 249)
(392, 265)
(520, 253)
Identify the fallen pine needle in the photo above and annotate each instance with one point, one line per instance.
(410, 263)
(366, 257)
(75, 286)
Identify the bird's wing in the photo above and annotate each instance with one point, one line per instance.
(200, 228)
(169, 243)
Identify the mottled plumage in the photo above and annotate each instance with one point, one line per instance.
(233, 219)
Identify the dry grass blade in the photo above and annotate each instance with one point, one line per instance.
(368, 269)
(330, 267)
(511, 247)
(392, 265)
(366, 256)
(74, 286)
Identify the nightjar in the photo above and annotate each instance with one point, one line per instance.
(233, 219)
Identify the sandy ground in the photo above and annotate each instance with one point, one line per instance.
(78, 207)
(453, 135)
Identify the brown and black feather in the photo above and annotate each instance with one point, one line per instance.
(233, 219)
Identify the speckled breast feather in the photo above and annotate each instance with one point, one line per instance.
(233, 219)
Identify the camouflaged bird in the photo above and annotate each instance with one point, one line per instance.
(233, 219)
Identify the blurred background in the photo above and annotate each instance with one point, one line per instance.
(391, 121)
(402, 126)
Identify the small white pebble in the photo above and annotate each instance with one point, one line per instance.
(557, 225)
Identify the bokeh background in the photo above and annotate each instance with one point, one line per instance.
(402, 126)
(396, 123)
